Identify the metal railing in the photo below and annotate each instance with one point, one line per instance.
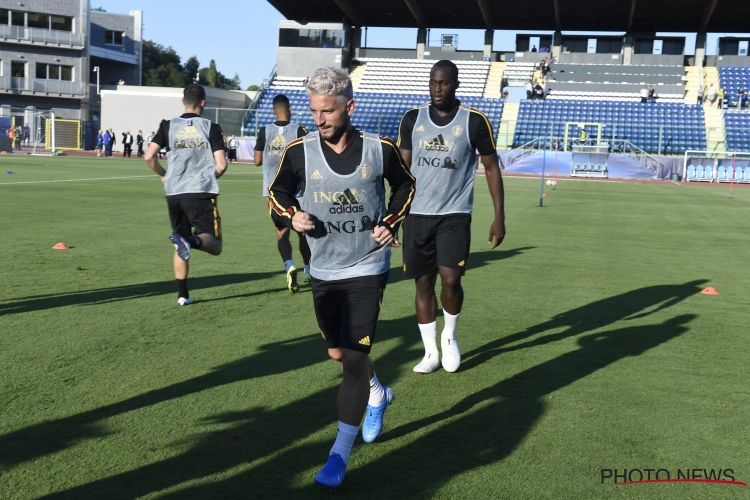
(39, 35)
(58, 87)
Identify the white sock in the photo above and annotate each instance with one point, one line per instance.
(345, 440)
(451, 321)
(429, 334)
(377, 392)
(307, 268)
(287, 264)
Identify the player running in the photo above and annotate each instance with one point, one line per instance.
(272, 140)
(438, 141)
(343, 212)
(195, 152)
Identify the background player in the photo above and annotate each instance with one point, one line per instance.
(195, 152)
(272, 140)
(343, 212)
(438, 141)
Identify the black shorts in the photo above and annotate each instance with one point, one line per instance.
(232, 154)
(199, 213)
(436, 241)
(347, 310)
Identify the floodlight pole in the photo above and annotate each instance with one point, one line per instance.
(96, 70)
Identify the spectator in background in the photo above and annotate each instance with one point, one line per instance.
(121, 82)
(545, 67)
(533, 48)
(505, 93)
(701, 92)
(651, 94)
(139, 142)
(542, 49)
(740, 97)
(114, 140)
(11, 133)
(26, 133)
(232, 145)
(19, 137)
(538, 91)
(711, 94)
(721, 98)
(127, 142)
(149, 138)
(529, 89)
(644, 94)
(99, 143)
(107, 139)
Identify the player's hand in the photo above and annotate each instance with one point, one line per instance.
(497, 233)
(382, 235)
(302, 222)
(396, 243)
(162, 179)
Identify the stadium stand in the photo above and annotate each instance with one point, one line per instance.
(737, 127)
(732, 79)
(615, 82)
(376, 112)
(638, 123)
(518, 73)
(287, 82)
(411, 76)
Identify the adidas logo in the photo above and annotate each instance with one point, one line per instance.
(462, 263)
(420, 128)
(316, 175)
(346, 203)
(365, 341)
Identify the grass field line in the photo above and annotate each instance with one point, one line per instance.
(117, 178)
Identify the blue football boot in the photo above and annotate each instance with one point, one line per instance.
(332, 474)
(374, 417)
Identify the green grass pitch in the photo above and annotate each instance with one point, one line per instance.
(586, 346)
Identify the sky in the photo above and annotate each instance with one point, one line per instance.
(241, 36)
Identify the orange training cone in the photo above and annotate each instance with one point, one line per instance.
(60, 246)
(710, 291)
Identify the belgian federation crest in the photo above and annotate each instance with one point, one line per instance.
(458, 130)
(364, 171)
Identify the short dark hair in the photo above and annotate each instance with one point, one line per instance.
(193, 94)
(446, 64)
(281, 100)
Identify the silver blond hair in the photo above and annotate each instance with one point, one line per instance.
(331, 81)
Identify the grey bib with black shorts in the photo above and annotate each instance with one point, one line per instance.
(192, 168)
(276, 140)
(345, 209)
(443, 164)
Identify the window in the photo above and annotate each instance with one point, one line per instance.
(17, 18)
(4, 16)
(18, 69)
(46, 71)
(37, 20)
(113, 37)
(62, 23)
(322, 39)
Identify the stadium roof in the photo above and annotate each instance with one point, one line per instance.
(633, 16)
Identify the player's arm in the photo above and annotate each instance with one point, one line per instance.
(152, 153)
(260, 145)
(402, 185)
(485, 143)
(218, 147)
(405, 128)
(291, 172)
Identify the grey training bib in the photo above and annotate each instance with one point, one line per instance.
(191, 168)
(346, 209)
(443, 164)
(276, 140)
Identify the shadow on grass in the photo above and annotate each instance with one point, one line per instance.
(126, 292)
(55, 435)
(635, 304)
(483, 428)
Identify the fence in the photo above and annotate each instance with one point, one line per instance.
(64, 134)
(40, 35)
(33, 124)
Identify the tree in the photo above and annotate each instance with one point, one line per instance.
(253, 88)
(99, 9)
(192, 66)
